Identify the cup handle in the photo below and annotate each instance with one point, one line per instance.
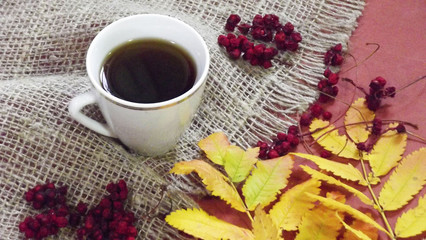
(74, 108)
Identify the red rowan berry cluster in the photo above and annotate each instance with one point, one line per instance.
(108, 220)
(265, 28)
(334, 56)
(281, 144)
(315, 111)
(327, 86)
(378, 92)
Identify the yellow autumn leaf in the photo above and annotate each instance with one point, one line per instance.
(331, 180)
(263, 227)
(358, 112)
(266, 180)
(214, 180)
(387, 152)
(345, 171)
(352, 232)
(330, 140)
(200, 224)
(405, 182)
(215, 146)
(238, 163)
(333, 204)
(287, 213)
(320, 224)
(412, 222)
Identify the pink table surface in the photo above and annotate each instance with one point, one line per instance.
(398, 26)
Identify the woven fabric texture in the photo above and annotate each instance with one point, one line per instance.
(43, 46)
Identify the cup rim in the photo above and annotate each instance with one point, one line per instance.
(149, 106)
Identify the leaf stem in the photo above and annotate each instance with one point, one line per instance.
(247, 211)
(376, 201)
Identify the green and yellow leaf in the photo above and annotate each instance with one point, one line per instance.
(266, 180)
(215, 146)
(239, 163)
(333, 204)
(354, 231)
(387, 152)
(405, 182)
(345, 171)
(330, 140)
(287, 213)
(215, 181)
(200, 224)
(263, 227)
(331, 180)
(358, 112)
(412, 222)
(320, 224)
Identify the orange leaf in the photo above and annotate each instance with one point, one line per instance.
(215, 147)
(366, 228)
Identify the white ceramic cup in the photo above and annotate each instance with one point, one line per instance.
(148, 128)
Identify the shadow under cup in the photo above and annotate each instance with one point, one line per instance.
(149, 128)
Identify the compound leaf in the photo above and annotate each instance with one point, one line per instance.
(345, 171)
(412, 222)
(321, 222)
(215, 146)
(333, 204)
(266, 180)
(263, 227)
(405, 182)
(215, 181)
(287, 213)
(358, 112)
(239, 163)
(387, 152)
(200, 224)
(331, 180)
(330, 140)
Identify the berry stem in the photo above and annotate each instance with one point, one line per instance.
(369, 56)
(406, 86)
(376, 201)
(417, 136)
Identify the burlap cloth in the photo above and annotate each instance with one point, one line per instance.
(42, 66)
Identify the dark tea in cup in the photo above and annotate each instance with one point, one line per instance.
(148, 71)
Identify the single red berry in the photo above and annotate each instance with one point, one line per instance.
(327, 115)
(286, 146)
(281, 136)
(233, 19)
(288, 28)
(325, 154)
(61, 222)
(293, 129)
(81, 208)
(322, 84)
(29, 196)
(381, 81)
(316, 110)
(305, 119)
(223, 41)
(337, 60)
(267, 64)
(297, 37)
(390, 91)
(257, 20)
(327, 72)
(235, 54)
(294, 142)
(291, 45)
(400, 128)
(333, 78)
(244, 28)
(338, 47)
(273, 154)
(290, 137)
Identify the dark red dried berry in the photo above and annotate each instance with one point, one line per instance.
(297, 37)
(400, 128)
(333, 78)
(235, 54)
(273, 154)
(325, 154)
(288, 28)
(244, 28)
(327, 115)
(233, 20)
(29, 196)
(281, 136)
(327, 72)
(390, 91)
(322, 84)
(305, 119)
(316, 110)
(223, 40)
(293, 129)
(267, 64)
